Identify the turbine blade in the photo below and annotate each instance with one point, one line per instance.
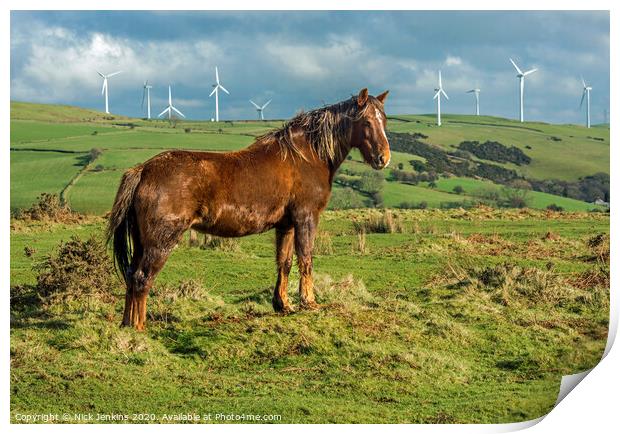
(515, 65)
(583, 81)
(266, 104)
(114, 73)
(143, 96)
(217, 76)
(530, 71)
(213, 91)
(102, 76)
(254, 104)
(105, 85)
(162, 113)
(175, 109)
(437, 94)
(224, 89)
(444, 94)
(169, 95)
(583, 95)
(440, 78)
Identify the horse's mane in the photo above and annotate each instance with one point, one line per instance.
(327, 129)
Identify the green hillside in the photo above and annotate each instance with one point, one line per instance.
(50, 145)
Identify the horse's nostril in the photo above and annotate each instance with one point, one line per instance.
(381, 159)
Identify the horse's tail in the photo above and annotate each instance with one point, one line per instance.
(122, 223)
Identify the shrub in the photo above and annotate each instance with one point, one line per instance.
(554, 207)
(75, 270)
(345, 198)
(188, 130)
(458, 189)
(48, 208)
(93, 154)
(413, 205)
(98, 168)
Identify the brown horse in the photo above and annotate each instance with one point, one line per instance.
(282, 181)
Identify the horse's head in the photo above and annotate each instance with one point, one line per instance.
(368, 133)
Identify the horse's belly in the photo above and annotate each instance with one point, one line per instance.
(239, 220)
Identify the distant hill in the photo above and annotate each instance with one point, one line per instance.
(531, 150)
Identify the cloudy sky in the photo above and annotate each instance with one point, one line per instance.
(305, 59)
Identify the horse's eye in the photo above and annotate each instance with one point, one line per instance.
(366, 123)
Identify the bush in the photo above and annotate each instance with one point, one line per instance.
(458, 189)
(554, 207)
(94, 153)
(413, 205)
(48, 208)
(188, 130)
(98, 168)
(345, 198)
(77, 269)
(371, 182)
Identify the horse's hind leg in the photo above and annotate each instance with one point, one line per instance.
(155, 254)
(129, 294)
(284, 257)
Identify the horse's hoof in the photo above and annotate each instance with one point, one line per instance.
(312, 305)
(286, 310)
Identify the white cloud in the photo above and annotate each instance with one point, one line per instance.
(453, 61)
(62, 65)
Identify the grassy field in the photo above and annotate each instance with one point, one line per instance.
(579, 152)
(71, 132)
(462, 317)
(459, 316)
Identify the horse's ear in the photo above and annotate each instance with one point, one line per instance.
(383, 96)
(362, 98)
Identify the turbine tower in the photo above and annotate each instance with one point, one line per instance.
(437, 96)
(215, 91)
(476, 92)
(147, 92)
(260, 109)
(586, 95)
(104, 89)
(170, 107)
(521, 76)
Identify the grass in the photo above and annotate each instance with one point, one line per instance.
(33, 173)
(577, 154)
(400, 338)
(36, 128)
(536, 199)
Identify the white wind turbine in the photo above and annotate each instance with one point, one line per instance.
(437, 96)
(170, 107)
(521, 76)
(260, 109)
(147, 92)
(215, 91)
(586, 95)
(476, 92)
(104, 89)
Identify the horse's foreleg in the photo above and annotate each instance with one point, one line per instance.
(284, 257)
(305, 231)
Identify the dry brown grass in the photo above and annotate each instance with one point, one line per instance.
(323, 244)
(509, 284)
(385, 223)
